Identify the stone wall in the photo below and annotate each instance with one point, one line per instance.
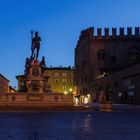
(35, 100)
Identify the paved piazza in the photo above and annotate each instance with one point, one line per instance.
(122, 124)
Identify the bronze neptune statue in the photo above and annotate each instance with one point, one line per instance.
(35, 46)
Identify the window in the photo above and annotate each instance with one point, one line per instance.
(56, 81)
(64, 74)
(64, 87)
(56, 74)
(64, 80)
(134, 53)
(101, 54)
(70, 80)
(70, 74)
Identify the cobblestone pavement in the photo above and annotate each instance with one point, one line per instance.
(121, 124)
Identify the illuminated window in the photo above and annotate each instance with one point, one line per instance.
(64, 80)
(64, 87)
(86, 100)
(76, 101)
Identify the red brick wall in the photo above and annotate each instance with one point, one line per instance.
(4, 85)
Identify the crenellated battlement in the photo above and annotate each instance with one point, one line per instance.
(107, 33)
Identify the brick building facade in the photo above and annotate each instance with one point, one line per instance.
(4, 84)
(125, 85)
(102, 54)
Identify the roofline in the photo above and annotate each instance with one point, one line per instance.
(19, 76)
(59, 68)
(4, 77)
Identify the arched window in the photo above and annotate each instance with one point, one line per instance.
(83, 64)
(134, 53)
(101, 54)
(56, 80)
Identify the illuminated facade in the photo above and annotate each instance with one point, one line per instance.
(103, 54)
(4, 84)
(61, 79)
(21, 83)
(12, 90)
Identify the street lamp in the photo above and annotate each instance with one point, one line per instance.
(70, 90)
(65, 92)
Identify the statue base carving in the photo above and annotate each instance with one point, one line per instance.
(35, 80)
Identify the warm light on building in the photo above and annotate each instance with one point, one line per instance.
(65, 92)
(76, 101)
(60, 79)
(70, 89)
(74, 93)
(85, 100)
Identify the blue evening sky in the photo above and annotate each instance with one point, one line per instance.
(59, 23)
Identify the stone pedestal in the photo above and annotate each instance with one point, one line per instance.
(35, 80)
